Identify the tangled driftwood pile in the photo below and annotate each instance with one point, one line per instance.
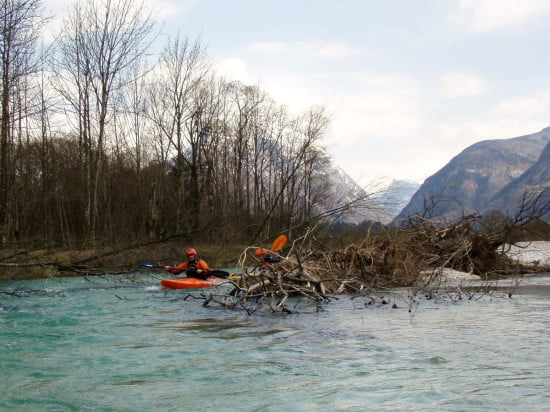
(382, 260)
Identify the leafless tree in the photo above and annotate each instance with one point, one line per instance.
(177, 81)
(20, 23)
(100, 42)
(298, 150)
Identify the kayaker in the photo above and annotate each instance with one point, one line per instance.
(265, 258)
(194, 267)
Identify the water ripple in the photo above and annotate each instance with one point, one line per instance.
(73, 345)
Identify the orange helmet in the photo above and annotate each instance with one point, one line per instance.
(260, 252)
(190, 252)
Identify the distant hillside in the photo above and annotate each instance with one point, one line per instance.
(474, 179)
(534, 180)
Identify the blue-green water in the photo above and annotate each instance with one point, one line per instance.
(124, 344)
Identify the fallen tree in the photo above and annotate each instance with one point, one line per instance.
(414, 256)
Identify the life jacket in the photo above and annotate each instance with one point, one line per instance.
(193, 264)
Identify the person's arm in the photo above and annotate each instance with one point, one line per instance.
(178, 269)
(202, 266)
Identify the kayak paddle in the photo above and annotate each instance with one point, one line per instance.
(149, 265)
(215, 272)
(279, 243)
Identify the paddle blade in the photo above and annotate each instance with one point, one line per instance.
(219, 273)
(146, 264)
(279, 242)
(149, 265)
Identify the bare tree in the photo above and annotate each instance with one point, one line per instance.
(301, 148)
(177, 80)
(20, 22)
(98, 47)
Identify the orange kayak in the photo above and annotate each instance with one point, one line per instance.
(189, 283)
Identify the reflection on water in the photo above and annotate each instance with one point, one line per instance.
(125, 344)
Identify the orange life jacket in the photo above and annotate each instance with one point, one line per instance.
(182, 267)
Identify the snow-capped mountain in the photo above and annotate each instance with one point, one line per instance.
(348, 199)
(397, 195)
(380, 201)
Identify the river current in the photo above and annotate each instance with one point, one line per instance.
(118, 343)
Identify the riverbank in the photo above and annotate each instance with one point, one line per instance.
(24, 264)
(20, 264)
(534, 256)
(535, 253)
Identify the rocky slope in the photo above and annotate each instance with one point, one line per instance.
(488, 174)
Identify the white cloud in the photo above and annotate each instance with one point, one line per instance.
(523, 107)
(453, 137)
(490, 15)
(462, 84)
(375, 131)
(381, 106)
(270, 47)
(236, 69)
(160, 10)
(305, 49)
(373, 114)
(295, 90)
(375, 117)
(331, 50)
(163, 9)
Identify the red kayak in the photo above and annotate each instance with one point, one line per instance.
(189, 283)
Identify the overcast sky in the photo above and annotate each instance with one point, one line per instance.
(409, 83)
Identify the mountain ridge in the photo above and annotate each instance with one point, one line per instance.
(474, 177)
(534, 181)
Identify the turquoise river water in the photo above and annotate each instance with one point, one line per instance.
(124, 344)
